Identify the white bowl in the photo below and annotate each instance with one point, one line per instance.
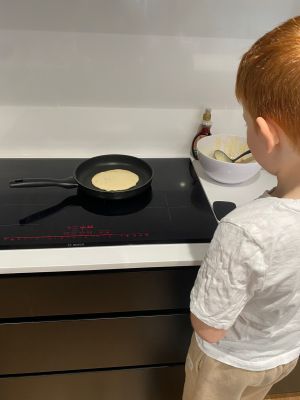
(222, 171)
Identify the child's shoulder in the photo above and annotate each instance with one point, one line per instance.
(258, 215)
(257, 207)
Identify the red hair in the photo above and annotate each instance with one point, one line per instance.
(268, 78)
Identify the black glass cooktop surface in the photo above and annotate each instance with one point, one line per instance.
(174, 210)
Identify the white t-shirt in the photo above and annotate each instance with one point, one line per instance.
(249, 284)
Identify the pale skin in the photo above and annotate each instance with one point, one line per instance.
(273, 150)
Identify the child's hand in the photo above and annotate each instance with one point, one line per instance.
(206, 332)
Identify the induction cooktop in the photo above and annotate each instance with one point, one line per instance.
(174, 210)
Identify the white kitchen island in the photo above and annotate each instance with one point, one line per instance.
(98, 321)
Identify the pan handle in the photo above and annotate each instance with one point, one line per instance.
(67, 183)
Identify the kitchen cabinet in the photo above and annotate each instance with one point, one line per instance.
(135, 384)
(95, 334)
(104, 334)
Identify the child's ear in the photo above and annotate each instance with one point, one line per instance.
(269, 131)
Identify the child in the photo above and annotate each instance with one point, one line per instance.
(245, 303)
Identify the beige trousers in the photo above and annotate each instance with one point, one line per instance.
(209, 379)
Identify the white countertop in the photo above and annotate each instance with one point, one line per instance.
(238, 194)
(132, 256)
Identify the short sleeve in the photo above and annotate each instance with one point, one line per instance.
(232, 271)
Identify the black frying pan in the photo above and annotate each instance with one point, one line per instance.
(82, 178)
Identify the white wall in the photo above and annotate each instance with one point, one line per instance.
(86, 77)
(90, 131)
(95, 69)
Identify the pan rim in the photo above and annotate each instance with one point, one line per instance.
(148, 181)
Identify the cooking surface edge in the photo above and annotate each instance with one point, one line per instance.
(174, 210)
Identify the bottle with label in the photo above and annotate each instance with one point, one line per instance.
(204, 130)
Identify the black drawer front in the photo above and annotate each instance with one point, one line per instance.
(89, 344)
(97, 292)
(134, 384)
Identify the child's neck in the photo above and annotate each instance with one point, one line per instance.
(288, 186)
(287, 163)
(292, 194)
